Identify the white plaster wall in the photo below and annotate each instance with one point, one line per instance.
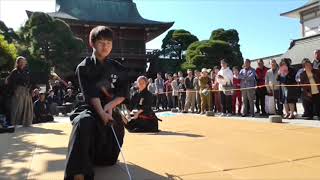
(312, 27)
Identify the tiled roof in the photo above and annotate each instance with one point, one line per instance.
(302, 48)
(108, 11)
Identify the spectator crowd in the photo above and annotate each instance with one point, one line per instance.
(61, 98)
(23, 103)
(226, 91)
(243, 91)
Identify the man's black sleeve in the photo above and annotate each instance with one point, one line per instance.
(87, 83)
(122, 84)
(133, 102)
(147, 102)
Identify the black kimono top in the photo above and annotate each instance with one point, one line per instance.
(106, 80)
(18, 78)
(142, 101)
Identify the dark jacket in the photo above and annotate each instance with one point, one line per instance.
(189, 83)
(52, 99)
(290, 79)
(142, 101)
(18, 78)
(40, 108)
(69, 98)
(59, 92)
(305, 80)
(182, 90)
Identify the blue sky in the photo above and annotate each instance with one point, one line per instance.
(263, 32)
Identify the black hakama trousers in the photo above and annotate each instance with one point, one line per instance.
(92, 144)
(143, 125)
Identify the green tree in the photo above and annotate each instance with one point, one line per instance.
(208, 53)
(223, 44)
(177, 41)
(8, 54)
(8, 33)
(51, 40)
(231, 36)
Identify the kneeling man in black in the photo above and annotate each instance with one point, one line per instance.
(144, 120)
(104, 83)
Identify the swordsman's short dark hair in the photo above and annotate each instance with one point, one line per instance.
(100, 33)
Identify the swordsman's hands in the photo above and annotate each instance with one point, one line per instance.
(108, 109)
(106, 118)
(135, 116)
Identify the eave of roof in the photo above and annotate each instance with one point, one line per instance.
(267, 57)
(296, 12)
(154, 29)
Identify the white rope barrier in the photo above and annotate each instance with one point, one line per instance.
(255, 87)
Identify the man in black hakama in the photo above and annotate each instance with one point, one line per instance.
(104, 84)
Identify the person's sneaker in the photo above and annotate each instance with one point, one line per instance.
(229, 115)
(291, 116)
(253, 115)
(309, 118)
(184, 112)
(243, 115)
(8, 129)
(202, 113)
(263, 114)
(222, 114)
(286, 116)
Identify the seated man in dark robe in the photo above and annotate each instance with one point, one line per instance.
(144, 120)
(41, 110)
(104, 84)
(52, 102)
(69, 97)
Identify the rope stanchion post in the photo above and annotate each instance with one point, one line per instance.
(275, 118)
(274, 99)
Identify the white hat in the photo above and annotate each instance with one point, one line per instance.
(205, 70)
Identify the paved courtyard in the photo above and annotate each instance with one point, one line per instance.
(188, 147)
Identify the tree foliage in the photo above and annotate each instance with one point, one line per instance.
(9, 35)
(51, 40)
(8, 54)
(177, 41)
(208, 53)
(231, 36)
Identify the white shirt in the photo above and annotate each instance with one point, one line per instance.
(227, 77)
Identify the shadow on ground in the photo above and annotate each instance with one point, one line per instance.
(118, 172)
(17, 150)
(23, 151)
(172, 133)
